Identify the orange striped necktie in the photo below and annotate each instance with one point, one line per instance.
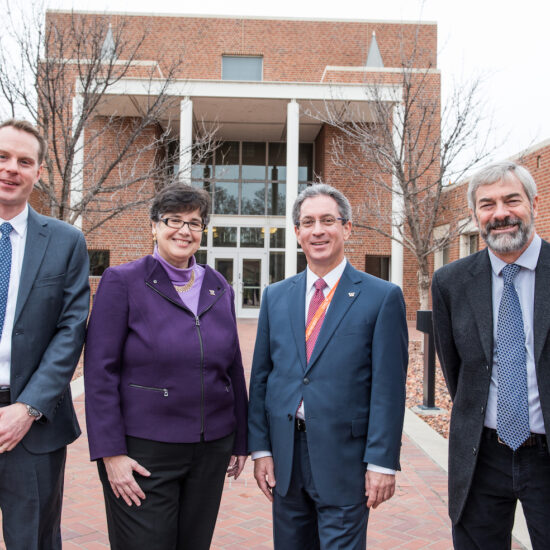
(313, 332)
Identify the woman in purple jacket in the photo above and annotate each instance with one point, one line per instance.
(165, 390)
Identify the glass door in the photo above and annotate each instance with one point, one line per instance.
(252, 281)
(226, 264)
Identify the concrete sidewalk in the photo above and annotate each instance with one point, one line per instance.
(415, 518)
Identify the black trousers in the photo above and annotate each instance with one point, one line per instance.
(182, 500)
(31, 495)
(503, 477)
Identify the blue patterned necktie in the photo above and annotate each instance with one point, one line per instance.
(5, 269)
(512, 402)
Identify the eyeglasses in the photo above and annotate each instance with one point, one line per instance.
(176, 223)
(327, 221)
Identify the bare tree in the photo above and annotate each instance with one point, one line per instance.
(407, 148)
(107, 153)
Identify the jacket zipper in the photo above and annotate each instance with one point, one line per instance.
(198, 327)
(163, 390)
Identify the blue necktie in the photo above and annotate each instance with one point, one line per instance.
(5, 269)
(512, 402)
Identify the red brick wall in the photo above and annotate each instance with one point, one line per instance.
(293, 50)
(537, 161)
(128, 235)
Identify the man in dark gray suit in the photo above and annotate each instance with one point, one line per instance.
(44, 298)
(491, 322)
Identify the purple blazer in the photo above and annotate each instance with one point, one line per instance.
(155, 371)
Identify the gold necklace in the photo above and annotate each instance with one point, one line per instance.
(187, 286)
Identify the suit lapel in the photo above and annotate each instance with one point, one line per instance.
(296, 308)
(38, 236)
(211, 290)
(479, 294)
(541, 316)
(346, 293)
(158, 280)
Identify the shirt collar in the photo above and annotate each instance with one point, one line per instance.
(19, 222)
(527, 260)
(331, 278)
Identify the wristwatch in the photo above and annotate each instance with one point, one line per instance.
(31, 411)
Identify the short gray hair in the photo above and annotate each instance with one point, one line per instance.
(344, 207)
(501, 171)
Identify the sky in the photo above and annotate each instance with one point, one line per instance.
(504, 42)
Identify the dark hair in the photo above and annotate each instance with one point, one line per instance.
(178, 197)
(317, 189)
(25, 126)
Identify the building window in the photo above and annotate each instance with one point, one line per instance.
(276, 237)
(473, 243)
(201, 256)
(445, 255)
(224, 236)
(241, 67)
(252, 237)
(99, 262)
(379, 266)
(249, 178)
(469, 237)
(301, 262)
(442, 255)
(276, 266)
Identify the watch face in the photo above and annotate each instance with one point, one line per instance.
(32, 411)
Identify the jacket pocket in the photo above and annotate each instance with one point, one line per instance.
(164, 391)
(46, 281)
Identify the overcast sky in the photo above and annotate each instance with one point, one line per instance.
(505, 41)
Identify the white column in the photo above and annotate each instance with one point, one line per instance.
(186, 140)
(77, 174)
(397, 205)
(292, 143)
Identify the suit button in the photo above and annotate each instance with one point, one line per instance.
(306, 381)
(486, 367)
(290, 416)
(474, 451)
(482, 409)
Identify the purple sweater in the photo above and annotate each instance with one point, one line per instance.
(179, 276)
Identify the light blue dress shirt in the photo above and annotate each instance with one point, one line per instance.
(525, 287)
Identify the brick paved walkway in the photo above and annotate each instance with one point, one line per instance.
(416, 517)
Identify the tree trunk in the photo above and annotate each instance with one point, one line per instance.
(424, 283)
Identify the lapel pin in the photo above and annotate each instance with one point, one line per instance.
(212, 293)
(351, 294)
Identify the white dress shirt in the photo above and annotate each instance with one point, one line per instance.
(18, 238)
(524, 283)
(331, 278)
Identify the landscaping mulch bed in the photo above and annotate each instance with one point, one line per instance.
(415, 378)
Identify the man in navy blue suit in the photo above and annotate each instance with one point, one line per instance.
(327, 392)
(44, 297)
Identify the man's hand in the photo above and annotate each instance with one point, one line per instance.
(378, 487)
(15, 422)
(120, 470)
(236, 465)
(264, 473)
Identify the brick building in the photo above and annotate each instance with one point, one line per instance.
(260, 81)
